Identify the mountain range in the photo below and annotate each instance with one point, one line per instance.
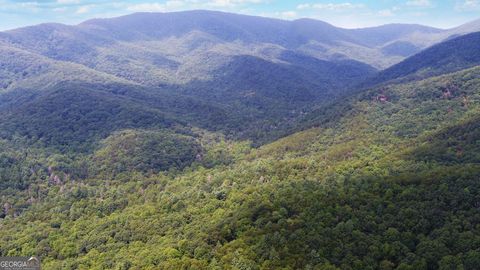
(199, 58)
(210, 140)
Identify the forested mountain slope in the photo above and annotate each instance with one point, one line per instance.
(164, 64)
(159, 39)
(452, 55)
(138, 142)
(160, 48)
(25, 70)
(391, 184)
(245, 76)
(149, 37)
(151, 47)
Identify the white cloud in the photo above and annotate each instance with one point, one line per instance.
(284, 15)
(331, 6)
(303, 6)
(60, 9)
(157, 7)
(472, 3)
(385, 13)
(30, 6)
(468, 5)
(68, 2)
(419, 3)
(232, 3)
(147, 7)
(84, 9)
(288, 14)
(173, 5)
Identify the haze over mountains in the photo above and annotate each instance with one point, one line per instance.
(172, 35)
(452, 55)
(209, 140)
(203, 55)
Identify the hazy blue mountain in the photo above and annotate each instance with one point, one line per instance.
(381, 35)
(166, 46)
(243, 75)
(237, 72)
(449, 56)
(466, 28)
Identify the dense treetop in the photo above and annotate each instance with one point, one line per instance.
(391, 184)
(215, 144)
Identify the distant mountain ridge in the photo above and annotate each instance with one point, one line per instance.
(452, 55)
(249, 75)
(312, 37)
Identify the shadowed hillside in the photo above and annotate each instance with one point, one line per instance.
(208, 140)
(384, 186)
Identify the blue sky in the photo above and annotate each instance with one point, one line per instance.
(344, 13)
